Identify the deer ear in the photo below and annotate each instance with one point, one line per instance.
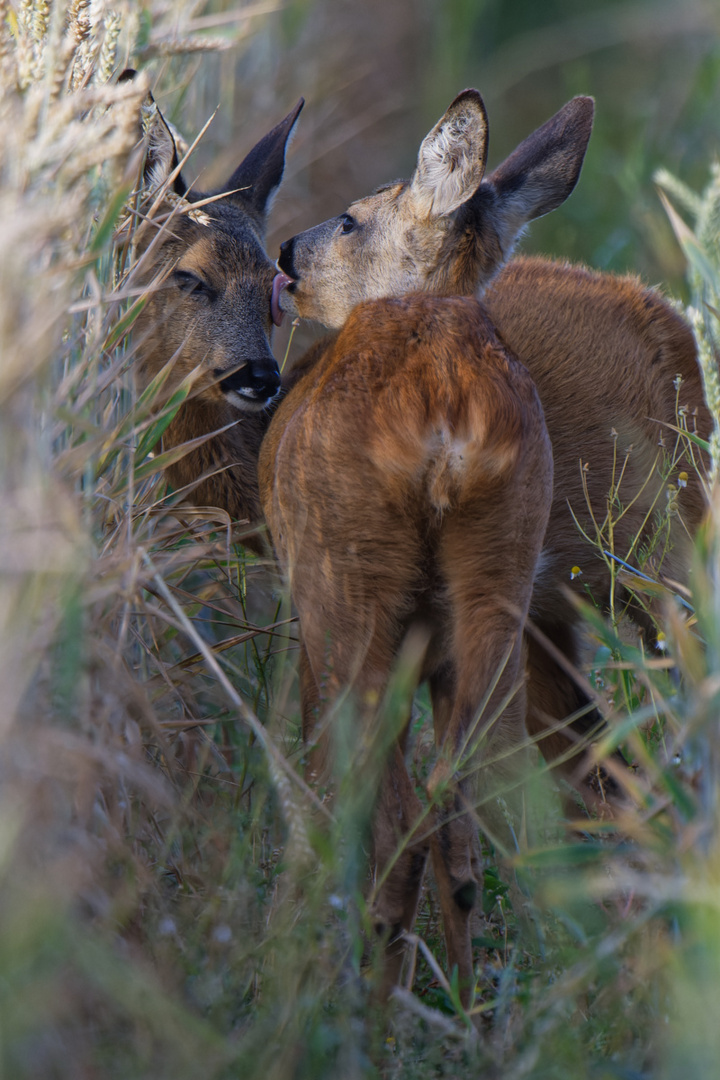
(164, 145)
(259, 175)
(542, 172)
(452, 158)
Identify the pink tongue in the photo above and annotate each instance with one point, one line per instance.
(280, 282)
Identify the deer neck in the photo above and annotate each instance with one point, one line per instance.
(222, 470)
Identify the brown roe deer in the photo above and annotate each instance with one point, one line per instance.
(208, 314)
(614, 364)
(406, 482)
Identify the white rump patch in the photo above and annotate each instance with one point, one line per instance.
(447, 453)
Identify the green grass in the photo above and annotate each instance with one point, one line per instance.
(172, 901)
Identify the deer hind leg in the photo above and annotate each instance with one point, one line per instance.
(479, 714)
(468, 779)
(399, 848)
(318, 749)
(358, 651)
(554, 697)
(399, 856)
(399, 860)
(453, 842)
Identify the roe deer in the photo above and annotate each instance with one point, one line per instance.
(387, 475)
(604, 352)
(209, 312)
(406, 483)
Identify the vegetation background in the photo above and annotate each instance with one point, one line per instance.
(154, 917)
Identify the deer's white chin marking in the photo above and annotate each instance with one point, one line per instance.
(246, 404)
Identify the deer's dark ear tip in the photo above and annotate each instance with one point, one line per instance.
(469, 94)
(585, 105)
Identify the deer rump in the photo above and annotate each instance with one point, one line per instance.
(406, 481)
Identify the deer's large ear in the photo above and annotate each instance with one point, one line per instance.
(452, 158)
(543, 170)
(164, 146)
(259, 175)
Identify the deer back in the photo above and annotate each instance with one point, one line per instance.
(415, 413)
(616, 369)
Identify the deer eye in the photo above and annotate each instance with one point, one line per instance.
(347, 223)
(191, 283)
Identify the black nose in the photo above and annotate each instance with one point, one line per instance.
(258, 382)
(285, 262)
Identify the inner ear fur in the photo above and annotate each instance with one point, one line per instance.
(162, 156)
(164, 146)
(452, 158)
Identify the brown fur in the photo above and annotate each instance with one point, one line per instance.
(387, 475)
(604, 353)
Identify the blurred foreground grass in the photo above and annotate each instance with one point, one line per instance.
(157, 916)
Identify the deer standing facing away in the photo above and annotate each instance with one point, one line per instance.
(387, 475)
(406, 483)
(605, 353)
